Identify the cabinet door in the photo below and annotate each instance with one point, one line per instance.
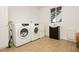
(54, 32)
(3, 26)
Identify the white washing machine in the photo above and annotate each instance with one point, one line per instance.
(36, 31)
(21, 33)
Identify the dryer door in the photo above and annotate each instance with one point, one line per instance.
(36, 30)
(23, 32)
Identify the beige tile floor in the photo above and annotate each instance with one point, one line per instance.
(45, 44)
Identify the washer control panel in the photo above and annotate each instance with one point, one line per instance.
(25, 24)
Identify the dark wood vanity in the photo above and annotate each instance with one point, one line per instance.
(54, 32)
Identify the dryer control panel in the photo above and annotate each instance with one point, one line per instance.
(36, 24)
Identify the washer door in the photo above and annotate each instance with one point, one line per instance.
(24, 32)
(36, 30)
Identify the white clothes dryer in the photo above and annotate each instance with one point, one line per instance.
(36, 31)
(21, 33)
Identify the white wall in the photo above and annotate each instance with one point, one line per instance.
(42, 34)
(3, 26)
(77, 17)
(25, 13)
(68, 28)
(69, 25)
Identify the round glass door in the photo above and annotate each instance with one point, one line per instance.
(36, 30)
(24, 32)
